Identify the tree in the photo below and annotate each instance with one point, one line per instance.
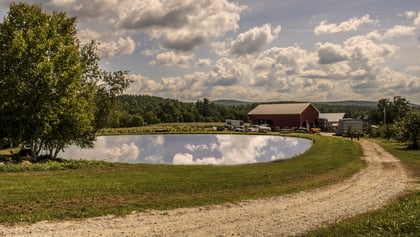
(107, 86)
(45, 101)
(407, 129)
(389, 111)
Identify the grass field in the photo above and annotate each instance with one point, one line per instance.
(400, 218)
(79, 191)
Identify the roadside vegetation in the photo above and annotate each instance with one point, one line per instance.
(401, 217)
(95, 190)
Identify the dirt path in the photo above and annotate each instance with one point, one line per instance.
(279, 216)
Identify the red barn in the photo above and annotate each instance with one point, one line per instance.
(280, 116)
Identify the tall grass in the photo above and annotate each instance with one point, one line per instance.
(165, 128)
(31, 196)
(401, 217)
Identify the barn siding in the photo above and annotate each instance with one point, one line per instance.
(287, 120)
(309, 114)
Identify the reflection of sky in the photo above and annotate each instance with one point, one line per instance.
(191, 149)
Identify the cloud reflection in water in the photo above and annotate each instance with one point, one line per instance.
(191, 149)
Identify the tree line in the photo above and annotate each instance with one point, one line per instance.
(140, 110)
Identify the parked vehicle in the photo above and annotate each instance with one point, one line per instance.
(348, 127)
(259, 128)
(239, 129)
(252, 128)
(232, 123)
(262, 128)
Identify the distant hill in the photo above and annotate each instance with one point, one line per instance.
(333, 103)
(362, 103)
(350, 103)
(231, 102)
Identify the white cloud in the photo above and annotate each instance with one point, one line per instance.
(125, 153)
(352, 24)
(204, 62)
(366, 53)
(242, 152)
(410, 14)
(415, 70)
(254, 39)
(417, 20)
(220, 48)
(227, 72)
(193, 148)
(158, 140)
(86, 9)
(187, 159)
(87, 35)
(173, 59)
(109, 45)
(173, 83)
(331, 53)
(181, 25)
(276, 65)
(120, 46)
(173, 87)
(398, 31)
(415, 16)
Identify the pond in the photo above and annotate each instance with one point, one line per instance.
(191, 149)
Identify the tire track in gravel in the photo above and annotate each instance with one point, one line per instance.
(287, 215)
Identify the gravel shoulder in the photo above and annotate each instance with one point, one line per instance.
(288, 215)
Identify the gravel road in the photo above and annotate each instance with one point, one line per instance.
(286, 215)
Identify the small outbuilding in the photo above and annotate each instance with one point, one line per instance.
(281, 116)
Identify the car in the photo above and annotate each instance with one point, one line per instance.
(262, 128)
(259, 128)
(252, 128)
(239, 129)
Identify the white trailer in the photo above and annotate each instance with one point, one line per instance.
(231, 123)
(349, 126)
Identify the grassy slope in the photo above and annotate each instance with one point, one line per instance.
(400, 218)
(32, 196)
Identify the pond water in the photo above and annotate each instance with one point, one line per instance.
(191, 149)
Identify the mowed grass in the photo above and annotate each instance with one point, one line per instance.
(31, 196)
(401, 217)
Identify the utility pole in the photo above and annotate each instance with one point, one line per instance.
(384, 116)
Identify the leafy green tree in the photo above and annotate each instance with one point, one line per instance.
(107, 86)
(407, 129)
(388, 111)
(53, 93)
(44, 102)
(151, 118)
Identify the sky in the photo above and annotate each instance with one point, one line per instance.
(258, 51)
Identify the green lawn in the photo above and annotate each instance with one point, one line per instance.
(78, 191)
(400, 218)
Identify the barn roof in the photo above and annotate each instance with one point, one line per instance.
(266, 109)
(332, 117)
